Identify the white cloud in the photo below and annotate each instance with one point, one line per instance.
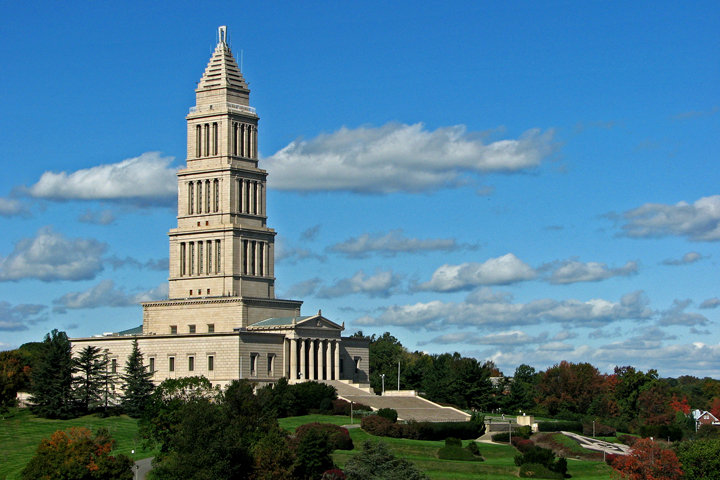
(676, 315)
(104, 217)
(482, 308)
(51, 256)
(160, 264)
(400, 158)
(688, 258)
(710, 303)
(392, 243)
(503, 270)
(572, 271)
(382, 284)
(289, 254)
(147, 179)
(699, 222)
(10, 207)
(104, 294)
(16, 318)
(302, 289)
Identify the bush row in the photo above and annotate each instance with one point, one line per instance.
(576, 427)
(382, 427)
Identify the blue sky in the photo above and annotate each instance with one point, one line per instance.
(526, 182)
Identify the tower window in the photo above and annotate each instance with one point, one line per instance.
(182, 259)
(207, 196)
(217, 195)
(253, 364)
(198, 142)
(217, 256)
(171, 364)
(192, 258)
(191, 198)
(199, 197)
(209, 257)
(271, 364)
(207, 140)
(215, 138)
(200, 258)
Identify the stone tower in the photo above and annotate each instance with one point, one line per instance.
(222, 250)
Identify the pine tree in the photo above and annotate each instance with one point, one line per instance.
(52, 394)
(137, 384)
(107, 381)
(90, 366)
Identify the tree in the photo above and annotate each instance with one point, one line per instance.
(52, 378)
(377, 462)
(385, 352)
(648, 461)
(14, 376)
(273, 459)
(570, 387)
(522, 389)
(137, 384)
(77, 454)
(89, 383)
(700, 459)
(313, 455)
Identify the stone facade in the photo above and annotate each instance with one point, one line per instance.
(221, 318)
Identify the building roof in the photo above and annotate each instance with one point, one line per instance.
(222, 70)
(279, 321)
(132, 331)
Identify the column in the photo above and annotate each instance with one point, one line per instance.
(337, 359)
(286, 358)
(302, 359)
(311, 358)
(328, 360)
(321, 359)
(293, 359)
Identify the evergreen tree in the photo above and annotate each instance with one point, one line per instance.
(137, 384)
(107, 382)
(52, 394)
(88, 385)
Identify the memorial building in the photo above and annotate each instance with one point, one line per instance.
(222, 319)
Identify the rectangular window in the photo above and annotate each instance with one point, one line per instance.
(209, 257)
(191, 328)
(215, 138)
(253, 364)
(211, 328)
(173, 329)
(200, 258)
(191, 364)
(211, 363)
(183, 260)
(271, 364)
(171, 364)
(192, 258)
(113, 365)
(199, 196)
(152, 364)
(191, 198)
(198, 138)
(217, 256)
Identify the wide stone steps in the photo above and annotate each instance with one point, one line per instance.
(408, 408)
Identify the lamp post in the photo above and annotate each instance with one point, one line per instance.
(382, 375)
(134, 467)
(398, 376)
(593, 428)
(351, 412)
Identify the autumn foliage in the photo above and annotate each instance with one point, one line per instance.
(648, 461)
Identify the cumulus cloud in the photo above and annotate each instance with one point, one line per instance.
(51, 256)
(690, 257)
(400, 158)
(676, 315)
(699, 221)
(487, 309)
(573, 271)
(286, 253)
(504, 270)
(305, 288)
(16, 318)
(10, 207)
(381, 284)
(104, 217)
(392, 243)
(159, 264)
(105, 294)
(511, 337)
(147, 179)
(710, 303)
(310, 234)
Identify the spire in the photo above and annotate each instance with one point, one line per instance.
(222, 76)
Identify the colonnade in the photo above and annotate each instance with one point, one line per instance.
(312, 359)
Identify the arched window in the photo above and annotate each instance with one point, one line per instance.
(191, 198)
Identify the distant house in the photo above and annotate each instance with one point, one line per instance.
(705, 418)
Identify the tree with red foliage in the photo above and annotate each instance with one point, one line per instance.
(680, 405)
(715, 407)
(648, 461)
(654, 405)
(570, 387)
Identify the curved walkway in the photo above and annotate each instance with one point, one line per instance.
(598, 445)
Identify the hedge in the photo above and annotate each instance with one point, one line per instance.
(382, 427)
(576, 427)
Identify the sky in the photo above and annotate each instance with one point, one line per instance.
(522, 182)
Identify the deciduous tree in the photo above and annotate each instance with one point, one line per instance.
(648, 461)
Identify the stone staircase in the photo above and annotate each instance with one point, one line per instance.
(408, 407)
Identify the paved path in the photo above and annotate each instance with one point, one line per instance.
(598, 445)
(143, 467)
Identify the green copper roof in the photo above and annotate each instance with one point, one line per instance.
(277, 321)
(133, 331)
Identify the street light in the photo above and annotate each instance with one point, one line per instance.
(382, 375)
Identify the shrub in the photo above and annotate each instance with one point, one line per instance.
(628, 440)
(342, 407)
(457, 453)
(610, 458)
(576, 427)
(524, 445)
(338, 436)
(672, 433)
(442, 430)
(501, 437)
(600, 430)
(473, 448)
(453, 442)
(523, 432)
(533, 470)
(334, 474)
(309, 395)
(542, 456)
(389, 413)
(380, 426)
(709, 432)
(326, 405)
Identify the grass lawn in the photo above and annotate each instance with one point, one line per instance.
(21, 432)
(291, 423)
